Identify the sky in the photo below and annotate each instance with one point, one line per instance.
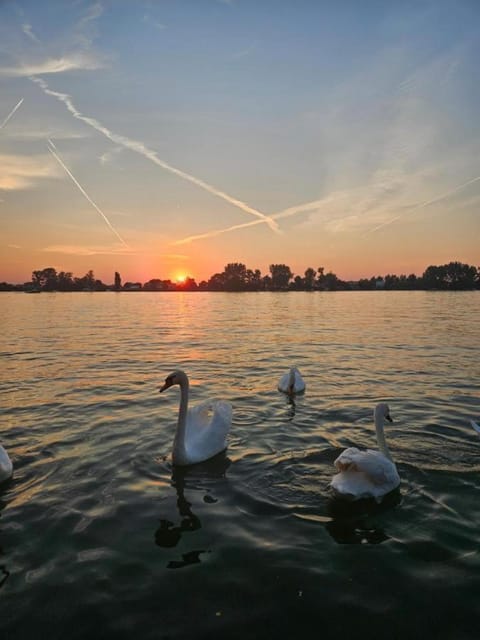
(168, 138)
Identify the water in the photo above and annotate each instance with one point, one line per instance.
(101, 538)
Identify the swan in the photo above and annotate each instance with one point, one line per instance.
(6, 467)
(292, 382)
(201, 431)
(367, 474)
(475, 426)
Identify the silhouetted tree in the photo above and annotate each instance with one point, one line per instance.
(309, 281)
(118, 281)
(235, 277)
(45, 279)
(281, 276)
(65, 281)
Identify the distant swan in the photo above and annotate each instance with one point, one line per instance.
(475, 426)
(367, 474)
(201, 431)
(6, 467)
(292, 382)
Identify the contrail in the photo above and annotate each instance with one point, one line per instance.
(141, 149)
(51, 147)
(447, 194)
(10, 114)
(286, 213)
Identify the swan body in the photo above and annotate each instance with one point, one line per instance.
(367, 474)
(201, 431)
(292, 382)
(475, 426)
(6, 467)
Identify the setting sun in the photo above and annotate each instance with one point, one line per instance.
(180, 278)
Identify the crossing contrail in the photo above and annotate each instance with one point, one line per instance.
(11, 114)
(286, 213)
(151, 155)
(52, 148)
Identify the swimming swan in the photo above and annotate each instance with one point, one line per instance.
(475, 426)
(201, 431)
(292, 382)
(367, 474)
(6, 467)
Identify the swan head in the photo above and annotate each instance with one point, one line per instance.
(382, 411)
(176, 377)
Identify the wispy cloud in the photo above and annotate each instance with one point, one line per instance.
(76, 250)
(11, 113)
(52, 150)
(140, 148)
(154, 23)
(85, 28)
(427, 203)
(108, 156)
(22, 172)
(75, 61)
(27, 30)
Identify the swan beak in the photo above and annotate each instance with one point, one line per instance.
(165, 386)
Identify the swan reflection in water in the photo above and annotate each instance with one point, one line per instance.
(168, 534)
(354, 522)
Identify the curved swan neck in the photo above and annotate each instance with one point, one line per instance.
(381, 443)
(179, 451)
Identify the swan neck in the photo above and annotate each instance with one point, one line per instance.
(381, 442)
(179, 450)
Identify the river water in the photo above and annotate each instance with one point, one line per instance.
(101, 538)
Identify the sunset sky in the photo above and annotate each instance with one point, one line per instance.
(171, 137)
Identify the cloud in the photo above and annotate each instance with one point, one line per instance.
(53, 151)
(108, 156)
(22, 172)
(77, 250)
(143, 150)
(11, 114)
(27, 30)
(154, 23)
(72, 62)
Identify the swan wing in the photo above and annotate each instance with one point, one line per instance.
(298, 384)
(208, 424)
(372, 464)
(283, 384)
(353, 485)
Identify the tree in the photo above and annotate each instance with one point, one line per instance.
(65, 281)
(281, 276)
(45, 279)
(454, 275)
(235, 275)
(309, 281)
(118, 281)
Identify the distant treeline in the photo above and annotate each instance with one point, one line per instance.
(236, 277)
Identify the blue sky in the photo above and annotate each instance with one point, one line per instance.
(171, 137)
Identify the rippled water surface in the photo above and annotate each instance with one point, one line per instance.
(101, 538)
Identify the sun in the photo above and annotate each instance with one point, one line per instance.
(180, 278)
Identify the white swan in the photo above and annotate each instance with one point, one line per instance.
(292, 382)
(367, 474)
(6, 466)
(475, 426)
(201, 431)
